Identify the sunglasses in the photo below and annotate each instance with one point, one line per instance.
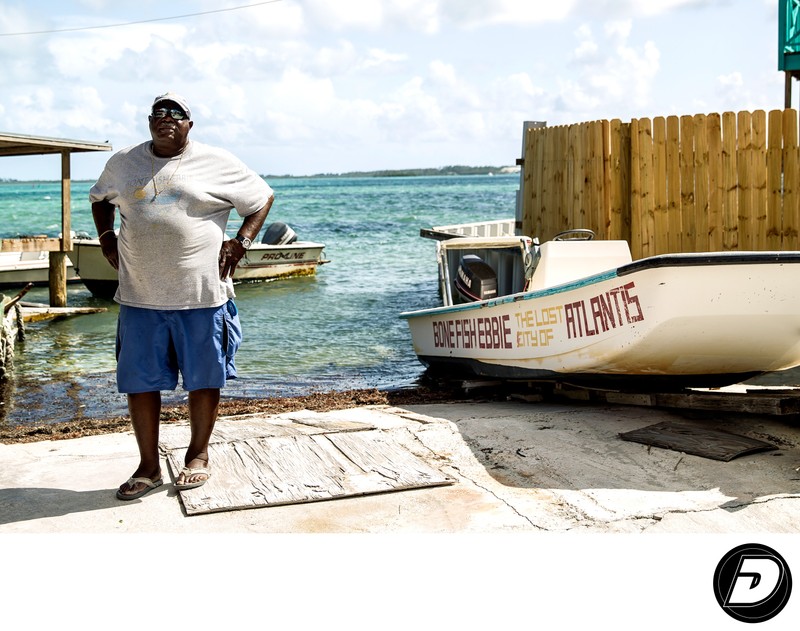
(163, 112)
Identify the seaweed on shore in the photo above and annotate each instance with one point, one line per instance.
(318, 402)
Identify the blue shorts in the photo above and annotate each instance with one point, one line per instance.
(153, 345)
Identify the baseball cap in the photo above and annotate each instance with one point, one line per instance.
(175, 98)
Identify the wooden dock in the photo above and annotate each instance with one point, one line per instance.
(738, 398)
(32, 312)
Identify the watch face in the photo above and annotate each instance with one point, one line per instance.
(244, 241)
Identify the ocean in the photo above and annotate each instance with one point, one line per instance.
(336, 331)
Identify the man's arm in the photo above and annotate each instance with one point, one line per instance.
(232, 250)
(104, 213)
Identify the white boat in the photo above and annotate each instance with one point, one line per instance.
(17, 269)
(581, 311)
(281, 257)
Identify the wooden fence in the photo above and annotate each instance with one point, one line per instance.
(676, 184)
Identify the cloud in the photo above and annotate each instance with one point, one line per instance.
(311, 84)
(613, 73)
(474, 14)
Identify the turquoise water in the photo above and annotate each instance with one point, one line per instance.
(335, 331)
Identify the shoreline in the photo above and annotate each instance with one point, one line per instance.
(425, 392)
(173, 413)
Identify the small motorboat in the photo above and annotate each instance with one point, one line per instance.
(279, 255)
(17, 269)
(579, 310)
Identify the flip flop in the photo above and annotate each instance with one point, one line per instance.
(149, 486)
(186, 472)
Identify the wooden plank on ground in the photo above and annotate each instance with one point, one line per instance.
(766, 401)
(279, 470)
(176, 436)
(706, 442)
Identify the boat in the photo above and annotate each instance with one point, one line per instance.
(278, 255)
(17, 269)
(579, 310)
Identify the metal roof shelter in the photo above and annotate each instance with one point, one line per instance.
(22, 145)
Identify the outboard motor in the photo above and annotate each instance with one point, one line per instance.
(475, 280)
(278, 233)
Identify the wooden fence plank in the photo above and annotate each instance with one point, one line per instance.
(605, 218)
(581, 218)
(560, 168)
(560, 182)
(646, 166)
(715, 182)
(661, 227)
(673, 168)
(774, 166)
(597, 181)
(760, 178)
(744, 171)
(535, 226)
(636, 192)
(684, 188)
(576, 190)
(620, 161)
(546, 209)
(791, 194)
(730, 195)
(701, 183)
(530, 181)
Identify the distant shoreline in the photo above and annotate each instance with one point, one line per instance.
(448, 170)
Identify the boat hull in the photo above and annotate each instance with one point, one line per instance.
(688, 320)
(17, 269)
(261, 263)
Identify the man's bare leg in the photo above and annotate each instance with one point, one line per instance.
(203, 410)
(145, 410)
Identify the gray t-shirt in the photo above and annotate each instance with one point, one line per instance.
(173, 216)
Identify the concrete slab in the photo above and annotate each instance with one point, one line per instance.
(520, 467)
(553, 518)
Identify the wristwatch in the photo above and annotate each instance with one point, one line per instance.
(246, 243)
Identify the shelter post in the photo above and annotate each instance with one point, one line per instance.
(58, 260)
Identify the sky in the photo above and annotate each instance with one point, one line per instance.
(302, 87)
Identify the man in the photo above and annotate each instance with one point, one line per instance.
(174, 264)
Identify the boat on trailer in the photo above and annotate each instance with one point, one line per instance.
(579, 310)
(278, 255)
